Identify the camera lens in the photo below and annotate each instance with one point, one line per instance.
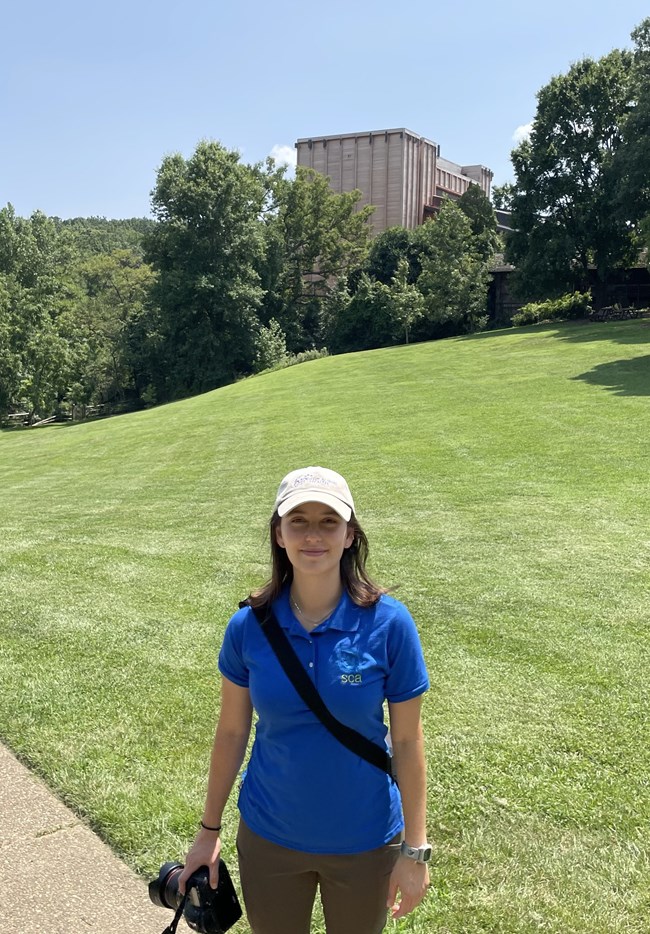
(207, 910)
(163, 891)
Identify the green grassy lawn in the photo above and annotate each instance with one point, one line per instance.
(503, 482)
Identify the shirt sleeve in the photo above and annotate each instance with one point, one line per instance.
(407, 675)
(231, 657)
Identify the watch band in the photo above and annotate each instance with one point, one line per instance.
(421, 854)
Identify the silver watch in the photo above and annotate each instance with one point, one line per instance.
(421, 854)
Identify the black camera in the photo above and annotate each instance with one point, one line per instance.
(207, 910)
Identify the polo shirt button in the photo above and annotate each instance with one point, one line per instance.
(311, 664)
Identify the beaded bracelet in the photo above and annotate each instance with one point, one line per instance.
(214, 829)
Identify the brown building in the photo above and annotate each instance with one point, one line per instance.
(402, 174)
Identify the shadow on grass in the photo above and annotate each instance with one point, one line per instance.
(621, 332)
(622, 377)
(555, 328)
(582, 331)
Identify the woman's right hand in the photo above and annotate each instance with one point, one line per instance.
(204, 851)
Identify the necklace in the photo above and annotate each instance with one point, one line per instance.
(307, 619)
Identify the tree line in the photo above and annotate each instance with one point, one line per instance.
(240, 269)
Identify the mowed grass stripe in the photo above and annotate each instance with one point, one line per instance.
(503, 481)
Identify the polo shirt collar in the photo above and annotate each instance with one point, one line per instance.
(345, 618)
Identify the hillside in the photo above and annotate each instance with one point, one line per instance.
(503, 482)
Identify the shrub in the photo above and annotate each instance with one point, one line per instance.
(568, 307)
(303, 357)
(270, 347)
(291, 359)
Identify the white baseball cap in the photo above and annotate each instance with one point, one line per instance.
(315, 485)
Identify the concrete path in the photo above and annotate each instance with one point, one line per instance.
(56, 875)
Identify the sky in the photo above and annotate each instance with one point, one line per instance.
(93, 95)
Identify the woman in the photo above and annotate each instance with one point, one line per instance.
(313, 814)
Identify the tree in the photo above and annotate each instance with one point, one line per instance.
(454, 278)
(99, 235)
(270, 346)
(502, 196)
(37, 289)
(113, 326)
(374, 314)
(386, 252)
(314, 237)
(206, 248)
(566, 178)
(633, 157)
(476, 206)
(449, 296)
(405, 301)
(9, 356)
(359, 320)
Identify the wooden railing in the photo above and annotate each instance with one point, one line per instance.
(616, 313)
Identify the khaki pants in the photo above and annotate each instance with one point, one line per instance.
(279, 886)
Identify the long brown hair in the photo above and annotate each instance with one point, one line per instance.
(361, 589)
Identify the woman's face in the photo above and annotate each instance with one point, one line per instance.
(314, 537)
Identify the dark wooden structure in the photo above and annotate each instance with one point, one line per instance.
(630, 291)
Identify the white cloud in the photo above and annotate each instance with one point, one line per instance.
(284, 155)
(522, 132)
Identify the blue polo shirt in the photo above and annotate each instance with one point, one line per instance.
(302, 788)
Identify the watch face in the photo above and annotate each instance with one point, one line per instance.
(425, 854)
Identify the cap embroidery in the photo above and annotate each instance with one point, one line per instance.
(313, 480)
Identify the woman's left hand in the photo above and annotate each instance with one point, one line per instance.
(411, 880)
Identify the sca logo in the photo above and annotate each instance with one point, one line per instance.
(351, 661)
(351, 679)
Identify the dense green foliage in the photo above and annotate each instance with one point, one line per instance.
(76, 321)
(39, 352)
(94, 235)
(633, 157)
(242, 269)
(501, 478)
(313, 239)
(417, 285)
(566, 308)
(205, 249)
(115, 323)
(582, 180)
(386, 251)
(454, 276)
(478, 208)
(502, 196)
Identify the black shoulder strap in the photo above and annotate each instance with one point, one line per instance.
(354, 741)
